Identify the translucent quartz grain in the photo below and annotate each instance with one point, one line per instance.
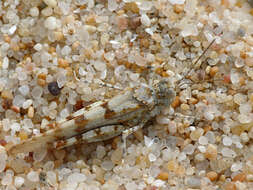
(208, 115)
(5, 47)
(227, 152)
(227, 141)
(109, 56)
(33, 176)
(99, 65)
(6, 124)
(236, 141)
(27, 124)
(5, 63)
(236, 166)
(48, 11)
(24, 90)
(166, 154)
(211, 152)
(182, 156)
(195, 135)
(112, 5)
(64, 113)
(45, 57)
(100, 152)
(162, 120)
(34, 11)
(145, 6)
(19, 165)
(158, 183)
(51, 178)
(210, 136)
(178, 2)
(51, 3)
(64, 6)
(203, 140)
(37, 92)
(22, 76)
(151, 157)
(110, 184)
(244, 137)
(200, 157)
(12, 30)
(202, 149)
(189, 149)
(19, 181)
(245, 108)
(145, 20)
(49, 166)
(116, 156)
(240, 98)
(193, 182)
(234, 77)
(66, 50)
(81, 71)
(76, 178)
(7, 179)
(50, 23)
(63, 173)
(242, 118)
(172, 127)
(38, 47)
(80, 164)
(107, 165)
(131, 186)
(27, 103)
(15, 127)
(148, 141)
(18, 101)
(196, 44)
(30, 112)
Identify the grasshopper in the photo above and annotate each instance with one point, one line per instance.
(102, 120)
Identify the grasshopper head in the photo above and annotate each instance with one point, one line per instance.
(163, 93)
(160, 94)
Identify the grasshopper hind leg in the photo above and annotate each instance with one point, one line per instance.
(128, 132)
(96, 135)
(99, 134)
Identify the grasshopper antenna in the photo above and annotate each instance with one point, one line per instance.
(182, 83)
(99, 82)
(204, 52)
(195, 62)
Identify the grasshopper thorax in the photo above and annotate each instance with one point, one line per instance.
(157, 95)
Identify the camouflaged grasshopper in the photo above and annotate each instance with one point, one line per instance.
(102, 120)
